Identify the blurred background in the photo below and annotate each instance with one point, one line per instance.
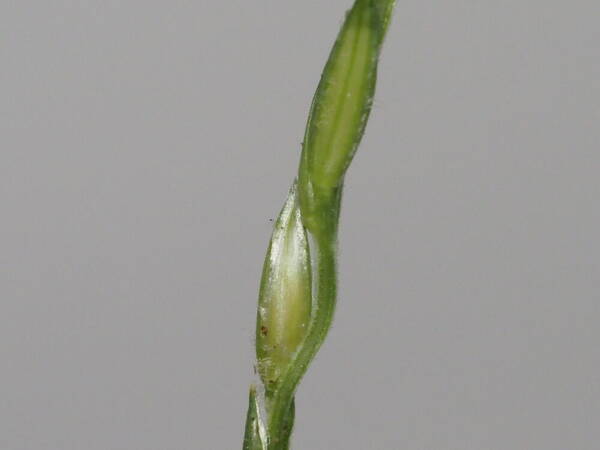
(144, 148)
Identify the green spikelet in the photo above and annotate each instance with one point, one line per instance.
(298, 288)
(285, 299)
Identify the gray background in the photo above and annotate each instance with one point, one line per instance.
(144, 147)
